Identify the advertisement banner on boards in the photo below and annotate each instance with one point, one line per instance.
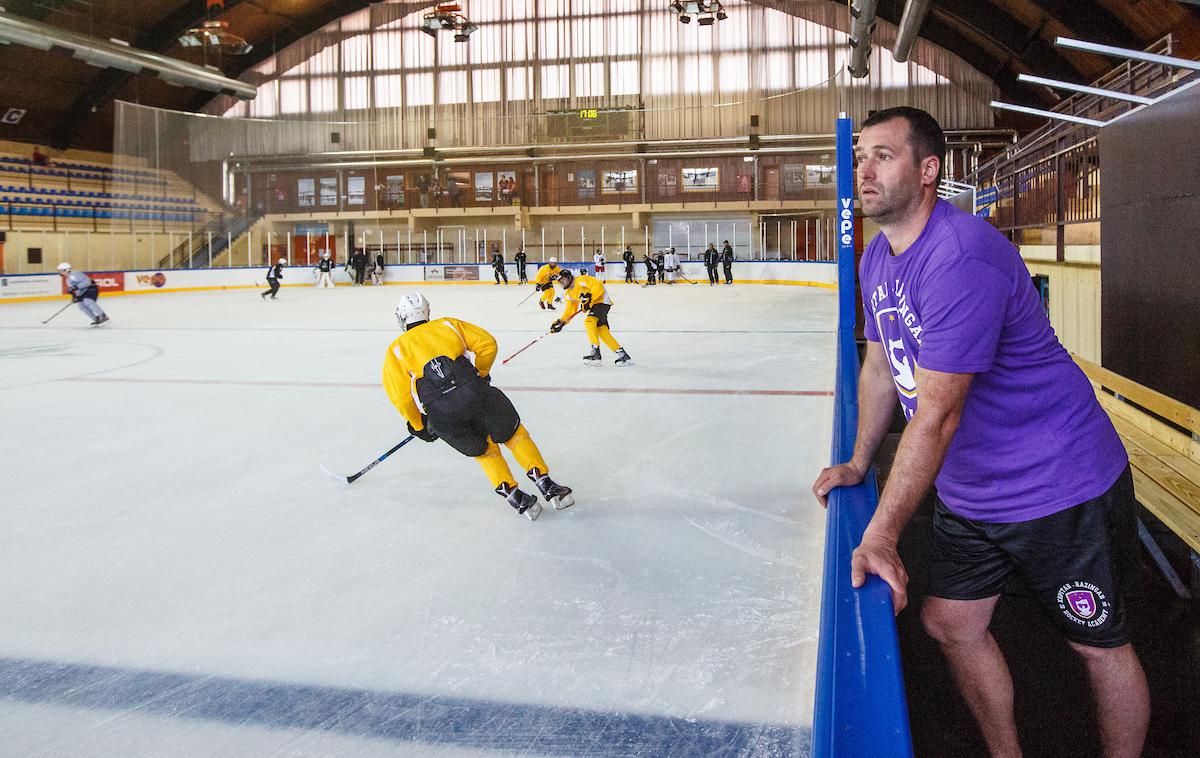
(146, 280)
(41, 285)
(462, 273)
(465, 273)
(106, 281)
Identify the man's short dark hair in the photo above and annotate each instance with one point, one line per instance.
(925, 134)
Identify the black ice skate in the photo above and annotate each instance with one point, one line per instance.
(623, 358)
(593, 358)
(527, 505)
(555, 493)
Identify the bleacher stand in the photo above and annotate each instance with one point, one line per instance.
(67, 191)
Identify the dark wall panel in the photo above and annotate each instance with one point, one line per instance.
(1150, 246)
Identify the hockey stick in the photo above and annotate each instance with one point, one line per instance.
(60, 310)
(531, 344)
(531, 294)
(681, 276)
(350, 479)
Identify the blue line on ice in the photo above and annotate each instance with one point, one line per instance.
(400, 717)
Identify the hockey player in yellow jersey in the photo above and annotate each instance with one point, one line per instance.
(459, 404)
(586, 294)
(543, 282)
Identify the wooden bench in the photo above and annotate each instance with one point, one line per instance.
(1165, 458)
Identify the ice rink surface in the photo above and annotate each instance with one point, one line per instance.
(180, 579)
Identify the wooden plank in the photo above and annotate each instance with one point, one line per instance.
(1186, 491)
(1160, 450)
(1167, 509)
(1183, 444)
(1165, 406)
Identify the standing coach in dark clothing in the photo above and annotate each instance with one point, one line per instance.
(520, 259)
(711, 256)
(627, 256)
(727, 262)
(360, 266)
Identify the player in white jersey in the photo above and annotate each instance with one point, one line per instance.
(83, 291)
(671, 263)
(598, 260)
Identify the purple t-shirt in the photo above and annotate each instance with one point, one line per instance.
(1033, 440)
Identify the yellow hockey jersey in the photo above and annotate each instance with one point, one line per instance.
(545, 272)
(408, 354)
(588, 286)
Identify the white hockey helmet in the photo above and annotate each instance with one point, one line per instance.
(283, 261)
(413, 308)
(552, 260)
(64, 267)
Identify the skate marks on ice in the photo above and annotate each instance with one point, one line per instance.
(29, 363)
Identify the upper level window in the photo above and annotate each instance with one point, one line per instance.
(555, 50)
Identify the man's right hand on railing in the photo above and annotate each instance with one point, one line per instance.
(842, 475)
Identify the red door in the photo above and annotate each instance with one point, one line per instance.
(307, 249)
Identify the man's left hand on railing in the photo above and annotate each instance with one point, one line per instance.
(878, 555)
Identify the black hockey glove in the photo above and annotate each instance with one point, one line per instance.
(585, 301)
(542, 287)
(558, 325)
(425, 433)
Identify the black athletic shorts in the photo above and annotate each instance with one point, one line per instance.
(599, 311)
(1081, 564)
(464, 409)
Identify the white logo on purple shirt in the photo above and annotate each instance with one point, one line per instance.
(903, 366)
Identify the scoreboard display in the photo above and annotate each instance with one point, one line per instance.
(589, 124)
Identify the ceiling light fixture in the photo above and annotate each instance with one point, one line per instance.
(706, 12)
(214, 34)
(449, 17)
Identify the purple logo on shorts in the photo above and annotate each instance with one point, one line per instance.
(1082, 603)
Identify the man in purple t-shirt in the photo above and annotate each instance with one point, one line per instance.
(1031, 478)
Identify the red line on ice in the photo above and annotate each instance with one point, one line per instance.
(361, 385)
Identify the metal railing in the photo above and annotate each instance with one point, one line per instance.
(202, 246)
(1051, 178)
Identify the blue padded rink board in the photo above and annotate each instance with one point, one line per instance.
(180, 579)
